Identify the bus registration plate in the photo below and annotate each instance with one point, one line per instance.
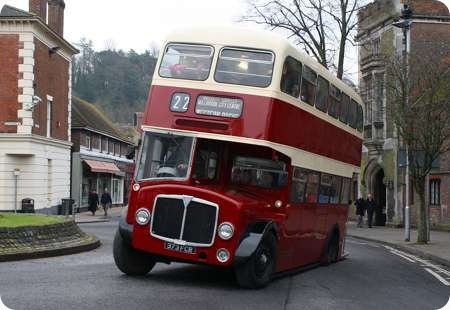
(179, 248)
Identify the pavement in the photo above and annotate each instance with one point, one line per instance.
(87, 217)
(438, 249)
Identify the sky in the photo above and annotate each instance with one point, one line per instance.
(141, 24)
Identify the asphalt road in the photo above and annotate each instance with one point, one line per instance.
(373, 277)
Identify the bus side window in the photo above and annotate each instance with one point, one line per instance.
(325, 188)
(335, 192)
(298, 186)
(308, 89)
(312, 187)
(345, 109)
(353, 118)
(345, 192)
(360, 118)
(290, 80)
(334, 101)
(322, 94)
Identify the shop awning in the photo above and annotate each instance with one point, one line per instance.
(101, 166)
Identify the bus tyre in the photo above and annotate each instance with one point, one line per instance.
(130, 261)
(257, 271)
(332, 251)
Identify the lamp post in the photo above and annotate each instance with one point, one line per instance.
(405, 24)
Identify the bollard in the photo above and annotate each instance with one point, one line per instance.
(74, 206)
(407, 224)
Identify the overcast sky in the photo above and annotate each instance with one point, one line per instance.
(136, 24)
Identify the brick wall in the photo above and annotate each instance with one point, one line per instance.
(9, 75)
(51, 75)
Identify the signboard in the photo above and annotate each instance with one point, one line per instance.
(179, 102)
(219, 106)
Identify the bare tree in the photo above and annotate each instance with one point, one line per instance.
(419, 104)
(323, 28)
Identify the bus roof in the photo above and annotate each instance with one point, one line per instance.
(256, 39)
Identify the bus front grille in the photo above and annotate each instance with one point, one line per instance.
(184, 219)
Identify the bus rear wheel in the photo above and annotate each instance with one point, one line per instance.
(332, 251)
(257, 271)
(130, 261)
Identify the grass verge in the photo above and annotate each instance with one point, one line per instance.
(10, 220)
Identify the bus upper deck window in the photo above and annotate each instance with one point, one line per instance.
(187, 62)
(335, 98)
(308, 90)
(245, 67)
(290, 80)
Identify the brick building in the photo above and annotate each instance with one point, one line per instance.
(98, 156)
(35, 106)
(383, 162)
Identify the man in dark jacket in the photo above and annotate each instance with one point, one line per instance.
(360, 210)
(370, 207)
(93, 201)
(106, 201)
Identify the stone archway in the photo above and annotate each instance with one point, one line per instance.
(374, 179)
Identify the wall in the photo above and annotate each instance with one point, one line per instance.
(32, 157)
(9, 75)
(51, 75)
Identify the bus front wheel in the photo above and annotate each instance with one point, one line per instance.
(130, 261)
(257, 271)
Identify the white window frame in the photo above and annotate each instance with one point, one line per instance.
(49, 116)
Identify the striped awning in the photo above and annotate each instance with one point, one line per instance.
(101, 166)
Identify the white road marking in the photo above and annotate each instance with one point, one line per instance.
(438, 277)
(403, 256)
(437, 271)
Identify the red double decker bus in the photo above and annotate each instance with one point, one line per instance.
(246, 160)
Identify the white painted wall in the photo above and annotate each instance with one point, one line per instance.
(31, 156)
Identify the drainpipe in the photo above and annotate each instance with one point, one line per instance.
(16, 173)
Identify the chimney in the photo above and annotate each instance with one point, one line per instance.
(56, 15)
(38, 7)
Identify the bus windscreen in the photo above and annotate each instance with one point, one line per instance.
(245, 67)
(187, 62)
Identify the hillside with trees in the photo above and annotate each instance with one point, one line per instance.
(115, 81)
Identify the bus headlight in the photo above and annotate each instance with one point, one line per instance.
(223, 255)
(225, 231)
(142, 216)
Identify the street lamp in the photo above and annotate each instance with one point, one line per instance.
(405, 24)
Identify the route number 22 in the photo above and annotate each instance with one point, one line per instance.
(179, 102)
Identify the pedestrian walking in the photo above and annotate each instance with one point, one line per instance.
(106, 201)
(370, 208)
(93, 201)
(360, 210)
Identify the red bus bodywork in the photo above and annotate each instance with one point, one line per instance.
(302, 229)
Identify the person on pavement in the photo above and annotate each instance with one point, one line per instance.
(370, 207)
(360, 210)
(106, 201)
(93, 201)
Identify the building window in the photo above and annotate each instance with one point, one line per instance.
(49, 116)
(95, 142)
(435, 192)
(110, 147)
(376, 47)
(88, 140)
(117, 191)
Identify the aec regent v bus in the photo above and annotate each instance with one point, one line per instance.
(247, 155)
